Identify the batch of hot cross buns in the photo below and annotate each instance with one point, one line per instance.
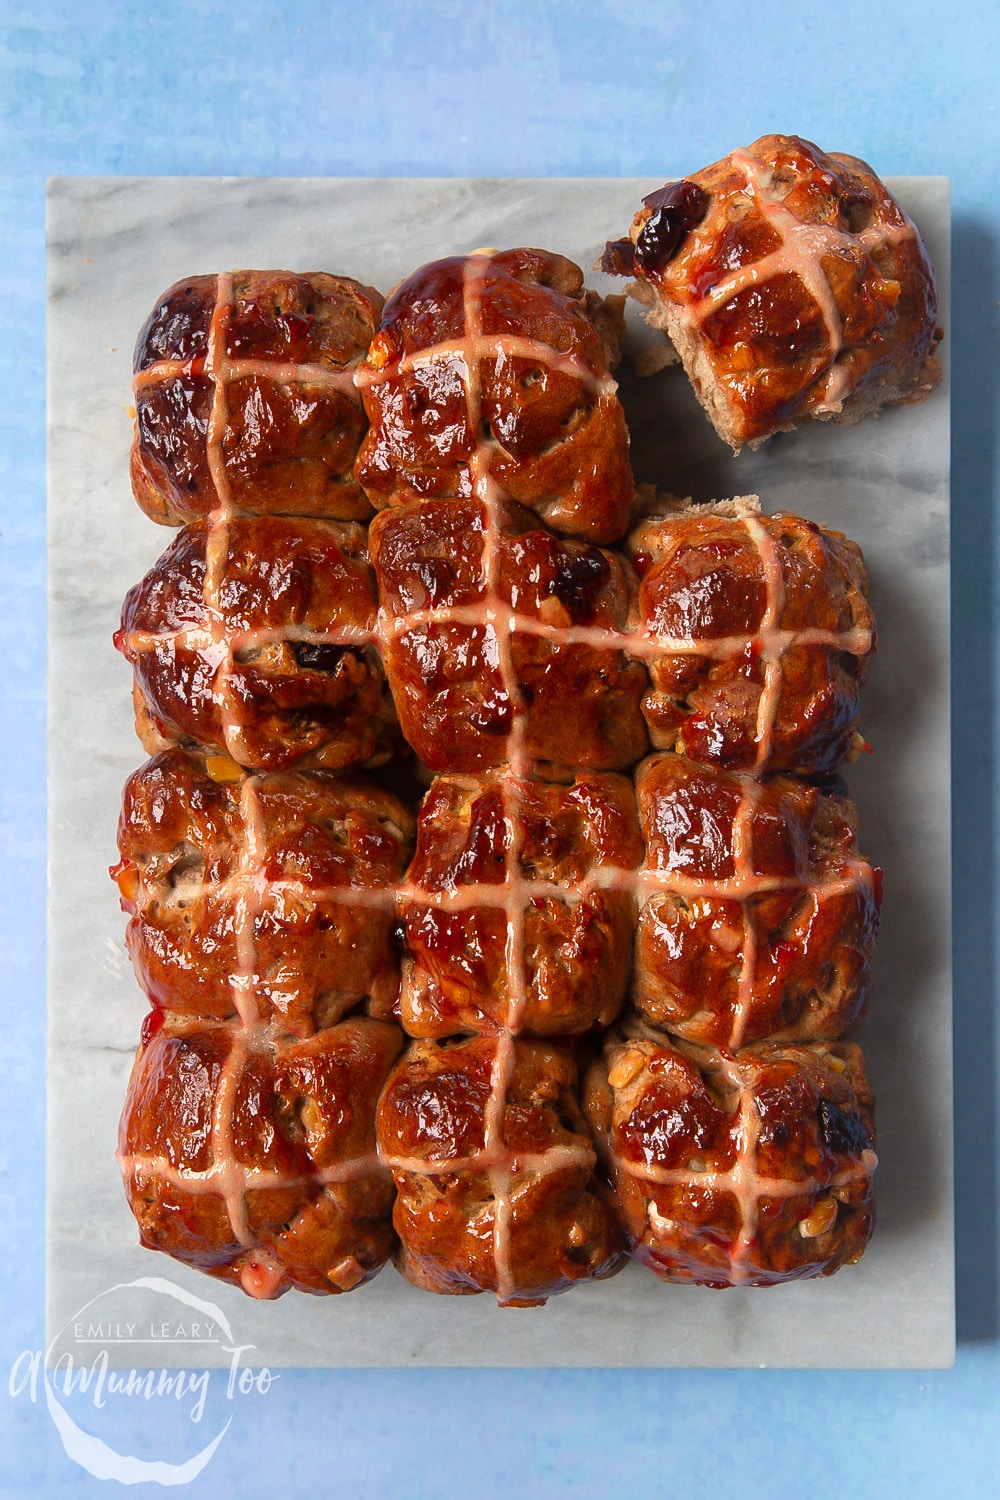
(491, 882)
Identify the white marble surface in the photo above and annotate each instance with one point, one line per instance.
(114, 245)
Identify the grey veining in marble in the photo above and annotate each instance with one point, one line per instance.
(115, 244)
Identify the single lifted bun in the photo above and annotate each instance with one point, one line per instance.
(791, 284)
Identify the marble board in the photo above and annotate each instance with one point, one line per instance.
(114, 245)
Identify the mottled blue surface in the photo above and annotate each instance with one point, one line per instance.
(536, 89)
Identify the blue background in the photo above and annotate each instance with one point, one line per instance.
(512, 88)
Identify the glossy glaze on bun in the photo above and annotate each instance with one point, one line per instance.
(791, 284)
(539, 998)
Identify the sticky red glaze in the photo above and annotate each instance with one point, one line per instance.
(151, 1023)
(878, 876)
(676, 1118)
